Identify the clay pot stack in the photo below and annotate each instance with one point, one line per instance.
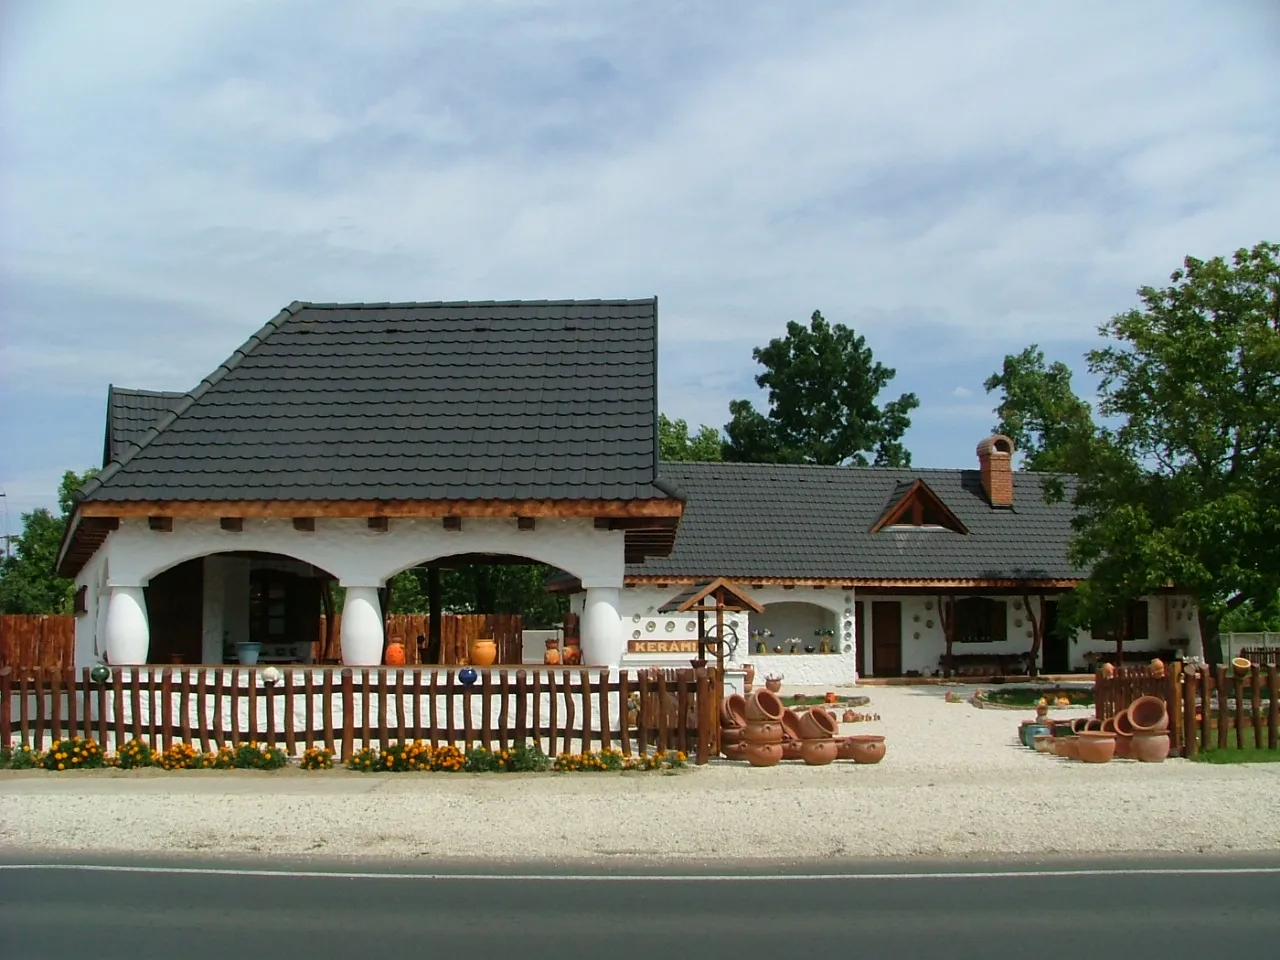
(792, 735)
(818, 745)
(762, 731)
(1149, 719)
(1138, 732)
(733, 719)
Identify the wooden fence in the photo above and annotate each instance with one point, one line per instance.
(1211, 708)
(564, 709)
(37, 640)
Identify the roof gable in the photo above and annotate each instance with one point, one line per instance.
(416, 401)
(915, 504)
(130, 413)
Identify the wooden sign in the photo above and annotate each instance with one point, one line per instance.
(662, 646)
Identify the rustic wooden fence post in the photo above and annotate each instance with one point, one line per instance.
(348, 708)
(706, 718)
(1273, 712)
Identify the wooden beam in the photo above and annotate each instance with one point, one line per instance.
(305, 524)
(452, 523)
(234, 524)
(381, 524)
(354, 509)
(163, 524)
(526, 523)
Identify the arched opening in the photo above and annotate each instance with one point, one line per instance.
(792, 627)
(208, 608)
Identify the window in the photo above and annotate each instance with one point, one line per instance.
(1137, 615)
(81, 601)
(981, 620)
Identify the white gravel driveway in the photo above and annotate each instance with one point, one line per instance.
(953, 783)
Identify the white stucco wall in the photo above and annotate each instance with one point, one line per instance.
(356, 555)
(89, 625)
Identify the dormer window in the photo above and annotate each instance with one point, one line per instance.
(914, 506)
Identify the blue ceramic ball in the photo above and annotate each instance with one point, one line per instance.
(467, 675)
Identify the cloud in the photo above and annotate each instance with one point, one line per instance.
(962, 392)
(954, 183)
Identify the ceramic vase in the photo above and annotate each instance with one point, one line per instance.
(817, 724)
(1148, 715)
(867, 748)
(763, 705)
(1150, 747)
(552, 654)
(762, 754)
(394, 655)
(820, 752)
(1096, 747)
(484, 652)
(762, 731)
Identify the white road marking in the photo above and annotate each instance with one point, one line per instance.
(653, 878)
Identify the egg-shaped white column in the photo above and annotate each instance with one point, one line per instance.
(128, 635)
(361, 627)
(601, 628)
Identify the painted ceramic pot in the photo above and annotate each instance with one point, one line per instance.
(1148, 715)
(791, 725)
(1043, 742)
(830, 697)
(552, 654)
(394, 655)
(818, 753)
(763, 754)
(467, 676)
(762, 731)
(817, 724)
(733, 711)
(763, 705)
(1034, 730)
(1150, 747)
(867, 748)
(572, 655)
(1096, 747)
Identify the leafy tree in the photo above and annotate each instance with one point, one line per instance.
(484, 588)
(28, 582)
(1248, 618)
(1039, 411)
(823, 383)
(1184, 488)
(674, 442)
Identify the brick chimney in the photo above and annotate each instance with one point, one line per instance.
(995, 461)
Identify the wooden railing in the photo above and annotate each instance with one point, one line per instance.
(1211, 708)
(562, 709)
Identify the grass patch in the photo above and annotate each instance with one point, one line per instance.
(1030, 696)
(1234, 754)
(802, 700)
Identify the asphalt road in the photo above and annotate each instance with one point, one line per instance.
(1083, 910)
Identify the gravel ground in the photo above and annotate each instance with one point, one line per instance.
(954, 783)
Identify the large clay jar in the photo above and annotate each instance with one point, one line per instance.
(791, 725)
(762, 731)
(763, 754)
(733, 710)
(1148, 715)
(818, 753)
(792, 749)
(1079, 723)
(1070, 748)
(394, 656)
(1150, 747)
(484, 652)
(773, 686)
(1096, 747)
(817, 724)
(1043, 742)
(734, 751)
(731, 736)
(750, 678)
(867, 748)
(572, 655)
(1092, 724)
(763, 705)
(552, 654)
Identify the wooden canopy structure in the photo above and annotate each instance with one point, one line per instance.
(720, 596)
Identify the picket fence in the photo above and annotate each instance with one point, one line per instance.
(1209, 708)
(562, 709)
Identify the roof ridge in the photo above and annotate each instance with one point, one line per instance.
(138, 392)
(385, 305)
(103, 477)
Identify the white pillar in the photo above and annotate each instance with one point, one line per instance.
(128, 635)
(361, 627)
(601, 628)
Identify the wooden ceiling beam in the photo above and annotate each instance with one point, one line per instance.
(381, 524)
(163, 524)
(452, 523)
(234, 524)
(526, 523)
(396, 509)
(304, 524)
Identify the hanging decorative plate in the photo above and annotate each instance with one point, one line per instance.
(635, 634)
(635, 618)
(917, 634)
(848, 598)
(929, 624)
(1028, 633)
(1017, 623)
(651, 626)
(671, 625)
(915, 617)
(928, 604)
(848, 648)
(691, 626)
(1017, 604)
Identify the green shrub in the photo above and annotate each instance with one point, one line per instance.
(20, 758)
(134, 754)
(73, 754)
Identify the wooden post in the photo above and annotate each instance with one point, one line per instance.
(466, 716)
(55, 701)
(1224, 715)
(448, 706)
(1237, 689)
(432, 710)
(417, 705)
(1273, 714)
(624, 708)
(184, 696)
(663, 742)
(400, 731)
(382, 702)
(682, 711)
(290, 739)
(73, 715)
(521, 733)
(1173, 701)
(251, 699)
(554, 710)
(102, 718)
(642, 738)
(606, 726)
(585, 674)
(536, 722)
(135, 700)
(486, 718)
(6, 705)
(706, 720)
(504, 708)
(82, 697)
(201, 727)
(365, 689)
(569, 710)
(1255, 678)
(1206, 705)
(166, 703)
(348, 711)
(269, 694)
(1191, 730)
(309, 712)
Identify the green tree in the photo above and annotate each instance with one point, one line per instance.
(1039, 411)
(674, 442)
(1182, 486)
(28, 581)
(823, 384)
(484, 588)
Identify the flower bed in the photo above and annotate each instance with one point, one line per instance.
(411, 757)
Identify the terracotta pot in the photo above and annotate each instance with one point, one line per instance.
(1123, 727)
(572, 655)
(1150, 747)
(730, 736)
(818, 753)
(1078, 724)
(867, 748)
(762, 731)
(850, 716)
(1109, 725)
(484, 652)
(750, 670)
(1148, 715)
(773, 686)
(817, 724)
(1092, 724)
(763, 705)
(1240, 665)
(394, 656)
(1070, 748)
(733, 711)
(734, 751)
(552, 654)
(1096, 747)
(791, 749)
(1157, 668)
(763, 754)
(1043, 742)
(791, 725)
(830, 697)
(1124, 746)
(1108, 670)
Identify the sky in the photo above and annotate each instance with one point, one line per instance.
(953, 181)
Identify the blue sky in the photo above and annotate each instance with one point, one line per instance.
(954, 181)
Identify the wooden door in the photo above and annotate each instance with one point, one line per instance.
(886, 638)
(1056, 648)
(860, 635)
(175, 614)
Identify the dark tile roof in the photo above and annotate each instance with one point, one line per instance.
(805, 522)
(477, 400)
(130, 413)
